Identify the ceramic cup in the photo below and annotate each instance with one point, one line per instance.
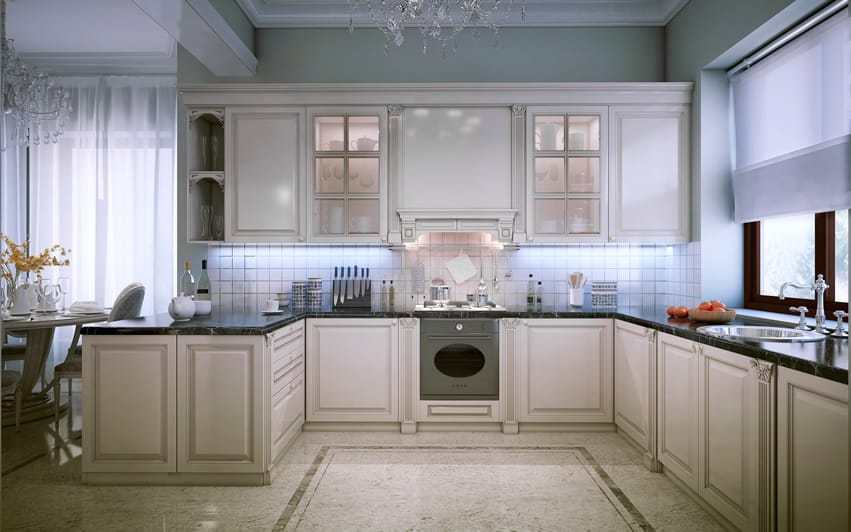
(576, 297)
(271, 305)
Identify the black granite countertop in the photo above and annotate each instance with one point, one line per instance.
(828, 358)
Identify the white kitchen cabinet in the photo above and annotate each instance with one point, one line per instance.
(352, 370)
(264, 172)
(812, 453)
(564, 371)
(211, 409)
(129, 404)
(205, 177)
(286, 380)
(649, 173)
(677, 366)
(220, 404)
(566, 173)
(735, 398)
(635, 387)
(715, 428)
(347, 182)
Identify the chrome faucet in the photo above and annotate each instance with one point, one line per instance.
(819, 287)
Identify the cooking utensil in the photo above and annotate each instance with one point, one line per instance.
(335, 289)
(356, 282)
(348, 282)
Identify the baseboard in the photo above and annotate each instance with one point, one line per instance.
(351, 426)
(534, 426)
(697, 499)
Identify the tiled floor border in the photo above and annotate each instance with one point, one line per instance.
(635, 520)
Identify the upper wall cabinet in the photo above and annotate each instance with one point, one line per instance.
(649, 173)
(566, 173)
(264, 165)
(347, 183)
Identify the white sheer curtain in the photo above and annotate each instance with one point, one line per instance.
(106, 190)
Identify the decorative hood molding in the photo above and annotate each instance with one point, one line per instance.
(499, 223)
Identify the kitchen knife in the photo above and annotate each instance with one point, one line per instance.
(357, 283)
(348, 282)
(368, 284)
(341, 286)
(336, 289)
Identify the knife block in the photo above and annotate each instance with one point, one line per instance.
(364, 301)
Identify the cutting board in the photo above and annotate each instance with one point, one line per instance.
(461, 268)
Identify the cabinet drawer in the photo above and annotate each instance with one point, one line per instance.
(287, 346)
(459, 411)
(287, 415)
(285, 373)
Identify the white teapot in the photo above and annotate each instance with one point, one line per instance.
(181, 308)
(26, 299)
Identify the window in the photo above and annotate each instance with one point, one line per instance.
(797, 248)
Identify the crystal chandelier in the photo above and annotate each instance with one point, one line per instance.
(438, 20)
(34, 108)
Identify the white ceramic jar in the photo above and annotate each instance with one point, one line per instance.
(181, 308)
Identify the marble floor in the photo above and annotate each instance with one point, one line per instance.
(448, 481)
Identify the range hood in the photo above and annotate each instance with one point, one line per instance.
(499, 223)
(456, 171)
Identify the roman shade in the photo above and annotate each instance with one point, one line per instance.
(792, 126)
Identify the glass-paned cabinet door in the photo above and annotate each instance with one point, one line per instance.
(348, 177)
(566, 168)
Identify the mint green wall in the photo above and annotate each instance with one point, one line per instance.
(237, 20)
(524, 55)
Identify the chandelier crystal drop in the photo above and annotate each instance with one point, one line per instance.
(439, 21)
(34, 108)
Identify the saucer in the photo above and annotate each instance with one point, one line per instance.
(271, 312)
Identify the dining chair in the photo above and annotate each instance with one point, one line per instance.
(127, 305)
(10, 380)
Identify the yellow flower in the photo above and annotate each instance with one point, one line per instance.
(16, 255)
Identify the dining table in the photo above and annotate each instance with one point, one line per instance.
(39, 329)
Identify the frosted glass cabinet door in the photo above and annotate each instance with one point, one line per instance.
(347, 190)
(566, 165)
(264, 162)
(649, 162)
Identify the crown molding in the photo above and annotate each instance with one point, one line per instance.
(539, 13)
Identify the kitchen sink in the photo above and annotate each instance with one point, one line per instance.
(759, 333)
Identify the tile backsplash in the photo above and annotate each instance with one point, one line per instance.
(648, 275)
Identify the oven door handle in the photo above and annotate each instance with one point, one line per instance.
(460, 338)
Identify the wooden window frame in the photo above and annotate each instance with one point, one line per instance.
(825, 263)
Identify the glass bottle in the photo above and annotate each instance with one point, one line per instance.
(391, 297)
(530, 294)
(186, 286)
(202, 288)
(383, 296)
(539, 297)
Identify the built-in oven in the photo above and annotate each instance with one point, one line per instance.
(459, 359)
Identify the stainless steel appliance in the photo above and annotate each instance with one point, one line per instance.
(459, 359)
(449, 306)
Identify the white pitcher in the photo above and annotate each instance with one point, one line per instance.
(26, 299)
(181, 308)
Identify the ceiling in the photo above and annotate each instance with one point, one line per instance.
(329, 13)
(95, 36)
(118, 36)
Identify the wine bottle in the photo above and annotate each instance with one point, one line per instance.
(530, 294)
(202, 288)
(539, 297)
(187, 282)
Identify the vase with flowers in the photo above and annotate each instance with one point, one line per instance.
(16, 262)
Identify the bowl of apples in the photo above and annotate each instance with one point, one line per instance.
(712, 312)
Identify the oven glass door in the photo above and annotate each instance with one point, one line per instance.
(458, 368)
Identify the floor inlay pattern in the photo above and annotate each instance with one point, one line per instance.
(437, 487)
